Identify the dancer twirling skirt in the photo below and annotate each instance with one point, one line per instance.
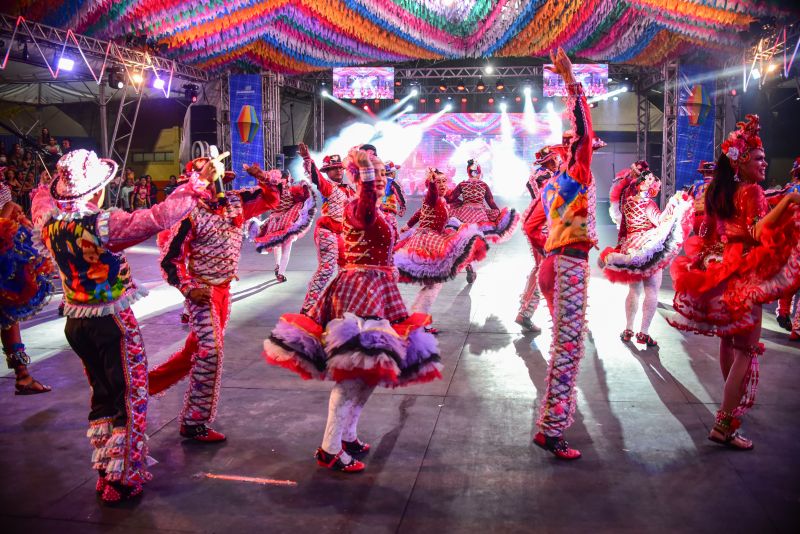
(200, 259)
(285, 224)
(788, 311)
(648, 242)
(359, 333)
(564, 274)
(431, 253)
(25, 288)
(749, 256)
(86, 243)
(534, 225)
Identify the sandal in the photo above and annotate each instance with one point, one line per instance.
(645, 339)
(355, 447)
(726, 425)
(34, 387)
(18, 359)
(280, 278)
(335, 463)
(626, 335)
(557, 445)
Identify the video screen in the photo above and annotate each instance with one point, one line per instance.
(594, 78)
(363, 82)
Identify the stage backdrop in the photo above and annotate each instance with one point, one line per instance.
(247, 137)
(696, 115)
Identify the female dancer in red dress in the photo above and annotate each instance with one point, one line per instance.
(748, 256)
(359, 333)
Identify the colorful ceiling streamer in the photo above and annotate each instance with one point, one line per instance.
(297, 36)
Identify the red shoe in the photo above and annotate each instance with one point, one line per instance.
(355, 447)
(115, 492)
(471, 275)
(626, 335)
(432, 330)
(101, 484)
(202, 433)
(558, 446)
(334, 462)
(794, 336)
(185, 318)
(280, 277)
(645, 339)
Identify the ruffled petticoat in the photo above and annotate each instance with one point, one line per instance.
(25, 284)
(717, 287)
(280, 226)
(642, 254)
(426, 256)
(497, 225)
(359, 329)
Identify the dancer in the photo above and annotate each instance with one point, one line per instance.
(200, 259)
(393, 203)
(648, 241)
(359, 333)
(564, 274)
(748, 257)
(432, 253)
(535, 227)
(25, 287)
(86, 243)
(698, 192)
(287, 223)
(328, 232)
(786, 320)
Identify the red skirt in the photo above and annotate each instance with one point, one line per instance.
(281, 226)
(428, 256)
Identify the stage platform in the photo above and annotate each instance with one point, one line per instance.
(450, 456)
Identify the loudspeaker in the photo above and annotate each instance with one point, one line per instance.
(204, 124)
(289, 154)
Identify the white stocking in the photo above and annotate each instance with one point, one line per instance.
(425, 298)
(277, 253)
(344, 398)
(632, 303)
(650, 304)
(284, 254)
(351, 429)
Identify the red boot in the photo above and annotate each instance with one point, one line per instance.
(557, 446)
(334, 462)
(795, 335)
(202, 433)
(115, 492)
(356, 447)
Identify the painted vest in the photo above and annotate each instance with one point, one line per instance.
(569, 211)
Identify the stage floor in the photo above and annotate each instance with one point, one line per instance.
(450, 456)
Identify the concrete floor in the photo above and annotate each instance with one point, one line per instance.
(450, 456)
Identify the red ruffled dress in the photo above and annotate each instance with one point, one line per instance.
(360, 327)
(290, 220)
(728, 272)
(474, 204)
(432, 253)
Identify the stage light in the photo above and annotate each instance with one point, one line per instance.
(488, 69)
(324, 93)
(422, 100)
(137, 78)
(158, 83)
(755, 73)
(377, 101)
(733, 92)
(518, 99)
(398, 83)
(626, 78)
(500, 85)
(535, 99)
(65, 63)
(464, 100)
(610, 79)
(593, 105)
(449, 98)
(442, 86)
(550, 106)
(114, 79)
(190, 92)
(481, 86)
(366, 107)
(409, 108)
(414, 92)
(503, 107)
(527, 91)
(352, 100)
(437, 100)
(460, 85)
(491, 100)
(448, 107)
(624, 89)
(615, 98)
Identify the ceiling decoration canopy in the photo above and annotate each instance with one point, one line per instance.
(298, 36)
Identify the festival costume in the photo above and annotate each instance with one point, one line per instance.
(698, 191)
(86, 243)
(359, 333)
(788, 310)
(568, 205)
(648, 241)
(25, 287)
(728, 273)
(393, 202)
(285, 224)
(534, 226)
(328, 231)
(469, 200)
(203, 251)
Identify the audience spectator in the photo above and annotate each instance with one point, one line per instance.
(153, 190)
(171, 185)
(126, 192)
(66, 145)
(141, 194)
(44, 139)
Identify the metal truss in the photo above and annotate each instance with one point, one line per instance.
(224, 116)
(670, 139)
(642, 124)
(271, 117)
(784, 42)
(98, 55)
(124, 126)
(318, 125)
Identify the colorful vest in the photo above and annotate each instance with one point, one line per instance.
(473, 191)
(569, 211)
(637, 212)
(333, 208)
(389, 202)
(96, 281)
(371, 246)
(699, 193)
(216, 245)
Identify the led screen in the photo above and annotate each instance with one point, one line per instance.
(594, 78)
(363, 82)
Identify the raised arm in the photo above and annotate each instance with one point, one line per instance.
(365, 209)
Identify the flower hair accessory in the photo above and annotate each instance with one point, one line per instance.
(741, 141)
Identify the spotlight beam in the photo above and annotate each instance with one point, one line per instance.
(358, 112)
(397, 105)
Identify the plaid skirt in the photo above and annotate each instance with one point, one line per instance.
(365, 292)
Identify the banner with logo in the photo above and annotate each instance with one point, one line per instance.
(696, 116)
(247, 137)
